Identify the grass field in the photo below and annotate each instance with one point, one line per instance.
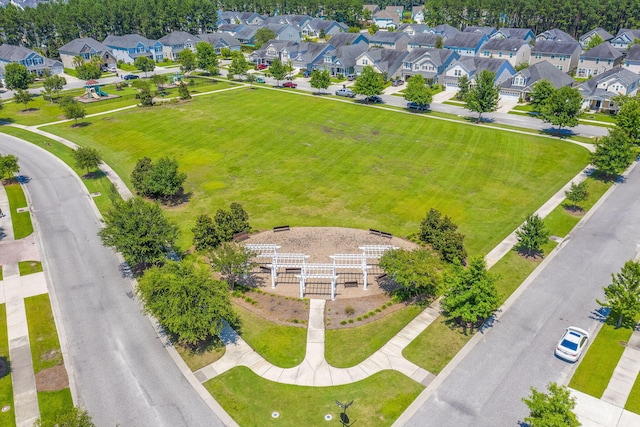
(6, 390)
(29, 267)
(21, 222)
(43, 336)
(53, 403)
(250, 400)
(301, 160)
(284, 346)
(348, 347)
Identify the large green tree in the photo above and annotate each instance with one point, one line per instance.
(483, 95)
(22, 97)
(188, 61)
(16, 76)
(277, 70)
(207, 58)
(622, 296)
(562, 108)
(417, 90)
(532, 235)
(88, 71)
(144, 63)
(614, 153)
(471, 294)
(417, 272)
(159, 180)
(542, 91)
(263, 35)
(187, 302)
(369, 82)
(441, 234)
(8, 166)
(233, 262)
(53, 85)
(87, 158)
(551, 409)
(628, 117)
(138, 230)
(239, 66)
(208, 233)
(72, 109)
(320, 79)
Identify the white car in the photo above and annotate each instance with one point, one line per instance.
(572, 343)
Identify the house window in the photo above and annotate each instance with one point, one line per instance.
(595, 71)
(538, 56)
(500, 55)
(553, 57)
(560, 67)
(597, 60)
(608, 61)
(457, 73)
(510, 54)
(518, 81)
(327, 59)
(365, 62)
(486, 53)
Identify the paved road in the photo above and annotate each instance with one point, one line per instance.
(122, 374)
(486, 387)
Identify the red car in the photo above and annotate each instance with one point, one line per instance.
(290, 84)
(261, 67)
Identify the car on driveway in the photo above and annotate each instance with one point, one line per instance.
(375, 99)
(573, 342)
(345, 92)
(131, 77)
(416, 106)
(290, 84)
(261, 67)
(397, 82)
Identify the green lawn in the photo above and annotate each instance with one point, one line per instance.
(597, 365)
(250, 400)
(98, 184)
(633, 401)
(284, 346)
(43, 336)
(201, 357)
(29, 267)
(6, 391)
(21, 222)
(53, 403)
(348, 347)
(302, 160)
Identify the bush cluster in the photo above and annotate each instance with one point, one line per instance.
(209, 233)
(440, 233)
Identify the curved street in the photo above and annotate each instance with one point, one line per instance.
(119, 369)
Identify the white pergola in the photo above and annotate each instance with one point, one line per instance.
(351, 261)
(375, 251)
(286, 261)
(318, 271)
(263, 250)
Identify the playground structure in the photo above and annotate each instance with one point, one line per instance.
(93, 93)
(296, 263)
(176, 79)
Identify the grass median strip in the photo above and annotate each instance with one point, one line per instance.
(6, 390)
(251, 400)
(29, 267)
(21, 221)
(43, 336)
(349, 346)
(54, 403)
(283, 346)
(633, 401)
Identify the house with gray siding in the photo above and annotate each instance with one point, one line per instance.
(599, 59)
(35, 63)
(344, 39)
(471, 66)
(563, 55)
(466, 44)
(586, 38)
(624, 38)
(177, 41)
(130, 46)
(632, 60)
(221, 41)
(516, 51)
(514, 33)
(598, 92)
(389, 40)
(86, 48)
(384, 61)
(430, 63)
(521, 84)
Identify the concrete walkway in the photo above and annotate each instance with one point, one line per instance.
(625, 374)
(594, 412)
(314, 369)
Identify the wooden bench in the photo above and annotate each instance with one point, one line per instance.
(239, 237)
(375, 232)
(265, 269)
(381, 277)
(281, 228)
(351, 283)
(293, 270)
(387, 235)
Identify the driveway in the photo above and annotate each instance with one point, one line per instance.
(120, 371)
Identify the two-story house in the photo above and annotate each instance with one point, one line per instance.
(177, 41)
(130, 46)
(344, 39)
(35, 63)
(632, 60)
(413, 29)
(471, 66)
(624, 38)
(244, 18)
(384, 61)
(295, 20)
(417, 14)
(430, 63)
(555, 35)
(342, 60)
(466, 44)
(563, 55)
(390, 40)
(521, 84)
(598, 92)
(599, 59)
(230, 29)
(323, 28)
(427, 40)
(274, 49)
(390, 16)
(311, 55)
(247, 34)
(516, 51)
(444, 30)
(86, 48)
(221, 41)
(514, 33)
(586, 38)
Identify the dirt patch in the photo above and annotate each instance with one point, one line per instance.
(279, 309)
(574, 212)
(52, 379)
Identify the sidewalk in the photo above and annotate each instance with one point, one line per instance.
(624, 376)
(594, 412)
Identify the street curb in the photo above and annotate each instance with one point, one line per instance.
(442, 376)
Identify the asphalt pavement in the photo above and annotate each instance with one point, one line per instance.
(119, 370)
(485, 384)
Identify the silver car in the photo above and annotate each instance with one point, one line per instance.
(572, 343)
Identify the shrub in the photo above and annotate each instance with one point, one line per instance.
(344, 322)
(359, 319)
(440, 232)
(349, 311)
(350, 320)
(366, 316)
(378, 310)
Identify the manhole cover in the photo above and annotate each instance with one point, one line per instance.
(6, 408)
(328, 417)
(275, 414)
(96, 194)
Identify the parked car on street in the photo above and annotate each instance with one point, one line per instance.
(416, 106)
(260, 79)
(375, 99)
(261, 67)
(290, 84)
(345, 92)
(131, 77)
(573, 342)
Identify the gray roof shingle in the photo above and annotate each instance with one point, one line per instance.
(178, 38)
(504, 45)
(555, 47)
(602, 51)
(464, 40)
(78, 46)
(543, 70)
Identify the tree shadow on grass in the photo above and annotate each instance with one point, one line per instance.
(96, 174)
(562, 133)
(5, 367)
(80, 125)
(606, 178)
